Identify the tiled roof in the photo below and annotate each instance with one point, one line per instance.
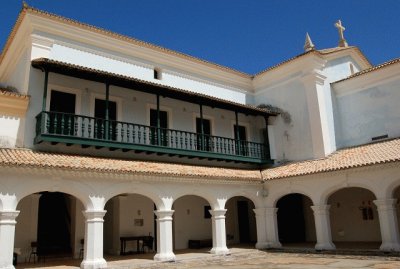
(369, 70)
(317, 52)
(369, 154)
(36, 159)
(7, 92)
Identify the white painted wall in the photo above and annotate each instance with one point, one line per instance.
(143, 69)
(10, 133)
(347, 223)
(292, 140)
(369, 112)
(26, 227)
(189, 221)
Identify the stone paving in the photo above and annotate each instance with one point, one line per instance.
(245, 259)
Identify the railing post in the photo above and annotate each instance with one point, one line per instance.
(267, 154)
(158, 121)
(46, 80)
(107, 115)
(202, 142)
(237, 134)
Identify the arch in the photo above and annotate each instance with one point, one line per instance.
(84, 198)
(391, 188)
(354, 218)
(212, 201)
(124, 189)
(253, 198)
(284, 193)
(295, 219)
(192, 222)
(240, 221)
(128, 214)
(329, 191)
(50, 219)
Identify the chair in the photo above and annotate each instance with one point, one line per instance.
(82, 249)
(33, 252)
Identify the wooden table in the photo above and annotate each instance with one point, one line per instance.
(125, 239)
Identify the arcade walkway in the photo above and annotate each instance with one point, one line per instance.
(240, 259)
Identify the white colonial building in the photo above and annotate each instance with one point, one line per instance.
(162, 151)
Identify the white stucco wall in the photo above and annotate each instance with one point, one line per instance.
(347, 223)
(369, 112)
(139, 68)
(292, 140)
(189, 221)
(10, 134)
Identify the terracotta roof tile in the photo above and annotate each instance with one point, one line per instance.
(369, 154)
(369, 70)
(316, 52)
(36, 159)
(7, 92)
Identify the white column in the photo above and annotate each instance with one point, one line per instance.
(272, 227)
(261, 228)
(7, 233)
(219, 232)
(323, 227)
(388, 224)
(93, 254)
(164, 236)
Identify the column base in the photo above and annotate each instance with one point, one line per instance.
(165, 257)
(220, 251)
(325, 246)
(389, 247)
(273, 245)
(93, 264)
(7, 266)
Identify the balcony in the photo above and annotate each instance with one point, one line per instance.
(56, 127)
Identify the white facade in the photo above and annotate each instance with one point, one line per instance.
(323, 109)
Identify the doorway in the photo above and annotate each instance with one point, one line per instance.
(63, 121)
(100, 115)
(207, 133)
(54, 224)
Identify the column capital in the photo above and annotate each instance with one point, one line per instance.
(260, 211)
(321, 209)
(94, 215)
(218, 213)
(271, 211)
(385, 204)
(8, 216)
(164, 215)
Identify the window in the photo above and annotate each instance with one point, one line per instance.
(157, 73)
(163, 127)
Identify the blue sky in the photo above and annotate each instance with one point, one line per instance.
(247, 35)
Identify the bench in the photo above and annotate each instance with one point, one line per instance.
(204, 243)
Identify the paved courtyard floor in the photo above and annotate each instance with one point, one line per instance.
(239, 259)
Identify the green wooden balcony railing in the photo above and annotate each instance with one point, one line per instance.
(67, 128)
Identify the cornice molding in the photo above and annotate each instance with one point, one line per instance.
(366, 81)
